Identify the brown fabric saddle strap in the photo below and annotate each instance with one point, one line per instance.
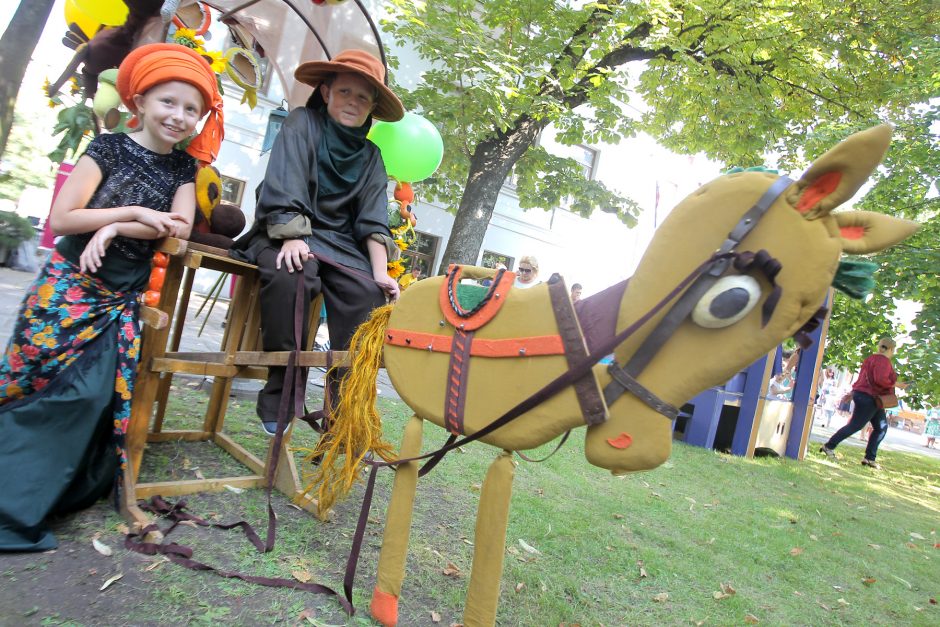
(592, 405)
(458, 373)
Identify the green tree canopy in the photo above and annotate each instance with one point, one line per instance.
(734, 79)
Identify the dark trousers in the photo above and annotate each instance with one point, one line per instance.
(349, 300)
(865, 411)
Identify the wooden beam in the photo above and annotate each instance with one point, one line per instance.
(153, 317)
(191, 486)
(179, 436)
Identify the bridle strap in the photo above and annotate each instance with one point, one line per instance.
(624, 378)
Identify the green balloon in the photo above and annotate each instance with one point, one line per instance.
(411, 148)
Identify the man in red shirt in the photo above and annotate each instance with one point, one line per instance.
(875, 377)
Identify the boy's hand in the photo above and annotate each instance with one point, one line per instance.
(294, 252)
(389, 286)
(90, 260)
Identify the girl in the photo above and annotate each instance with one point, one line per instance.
(68, 372)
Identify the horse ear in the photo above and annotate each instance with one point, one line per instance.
(867, 232)
(838, 174)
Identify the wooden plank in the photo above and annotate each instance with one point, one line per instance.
(179, 436)
(153, 317)
(239, 452)
(191, 486)
(279, 358)
(202, 368)
(173, 246)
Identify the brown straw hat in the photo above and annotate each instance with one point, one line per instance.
(388, 107)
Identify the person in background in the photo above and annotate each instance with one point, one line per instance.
(412, 277)
(932, 431)
(528, 272)
(780, 387)
(576, 292)
(876, 377)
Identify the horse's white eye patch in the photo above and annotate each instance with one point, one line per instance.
(727, 301)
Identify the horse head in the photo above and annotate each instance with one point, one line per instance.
(769, 284)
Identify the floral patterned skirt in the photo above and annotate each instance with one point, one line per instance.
(66, 381)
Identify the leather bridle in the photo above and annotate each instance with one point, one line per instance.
(624, 378)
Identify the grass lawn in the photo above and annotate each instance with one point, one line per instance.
(705, 539)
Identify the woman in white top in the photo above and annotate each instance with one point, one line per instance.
(528, 272)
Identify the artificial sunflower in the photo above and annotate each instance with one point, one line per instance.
(216, 60)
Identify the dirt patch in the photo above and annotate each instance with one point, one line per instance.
(63, 587)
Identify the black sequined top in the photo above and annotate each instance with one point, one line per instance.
(131, 175)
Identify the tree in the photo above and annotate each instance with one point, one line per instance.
(25, 163)
(731, 78)
(16, 47)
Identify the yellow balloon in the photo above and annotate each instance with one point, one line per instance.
(74, 15)
(107, 12)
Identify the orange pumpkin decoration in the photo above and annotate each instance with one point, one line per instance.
(151, 298)
(157, 276)
(404, 193)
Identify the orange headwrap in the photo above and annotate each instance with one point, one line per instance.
(150, 65)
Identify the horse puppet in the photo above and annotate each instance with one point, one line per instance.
(741, 264)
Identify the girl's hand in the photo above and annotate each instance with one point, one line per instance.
(165, 224)
(389, 285)
(90, 260)
(294, 252)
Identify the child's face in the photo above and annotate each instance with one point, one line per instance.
(349, 100)
(169, 112)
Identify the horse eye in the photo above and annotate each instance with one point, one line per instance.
(727, 301)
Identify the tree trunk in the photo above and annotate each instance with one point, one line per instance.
(16, 47)
(489, 166)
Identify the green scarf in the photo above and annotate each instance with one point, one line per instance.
(340, 156)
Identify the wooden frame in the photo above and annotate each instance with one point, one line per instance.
(239, 357)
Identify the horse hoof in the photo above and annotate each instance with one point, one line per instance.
(384, 608)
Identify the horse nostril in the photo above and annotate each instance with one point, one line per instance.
(622, 441)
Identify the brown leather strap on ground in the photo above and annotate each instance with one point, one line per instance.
(182, 555)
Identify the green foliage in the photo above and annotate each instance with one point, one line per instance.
(731, 78)
(75, 123)
(24, 164)
(14, 229)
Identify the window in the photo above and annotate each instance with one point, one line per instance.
(491, 259)
(584, 155)
(422, 253)
(232, 190)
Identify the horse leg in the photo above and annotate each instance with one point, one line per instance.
(384, 606)
(490, 543)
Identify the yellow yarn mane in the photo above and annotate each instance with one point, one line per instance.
(356, 427)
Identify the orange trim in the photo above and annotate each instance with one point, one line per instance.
(384, 607)
(852, 232)
(622, 441)
(534, 346)
(486, 313)
(817, 190)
